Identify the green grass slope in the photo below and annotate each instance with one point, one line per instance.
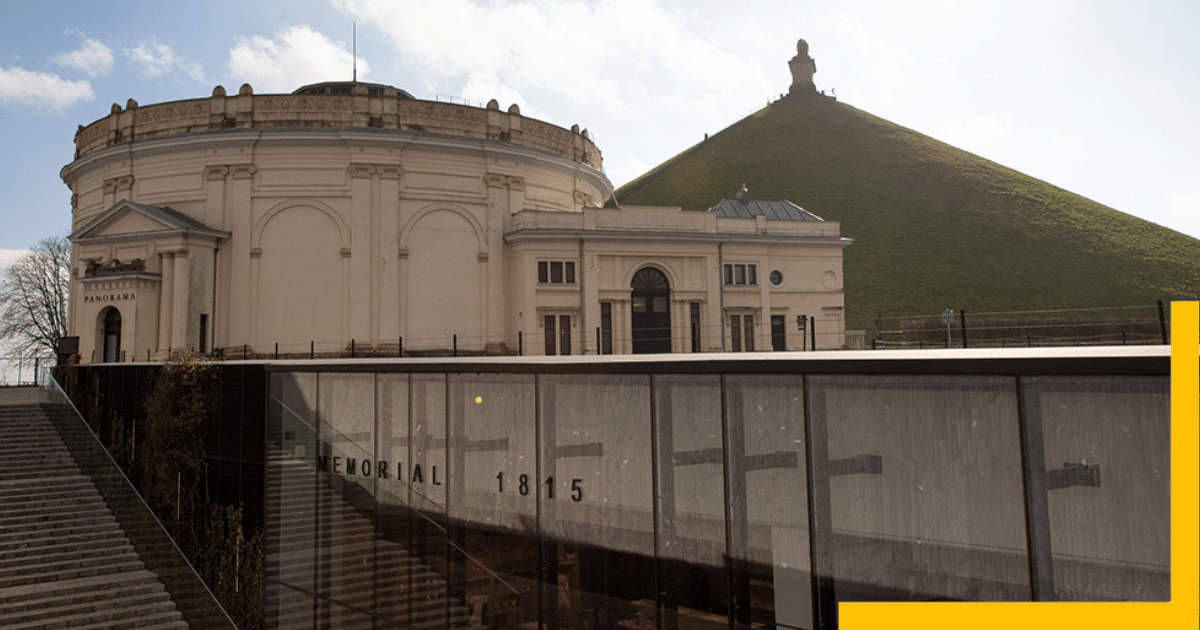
(934, 227)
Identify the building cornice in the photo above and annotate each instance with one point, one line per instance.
(209, 140)
(541, 234)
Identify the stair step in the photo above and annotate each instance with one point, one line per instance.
(64, 560)
(133, 600)
(68, 570)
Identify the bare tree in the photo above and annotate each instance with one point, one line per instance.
(33, 298)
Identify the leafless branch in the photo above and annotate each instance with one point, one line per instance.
(33, 298)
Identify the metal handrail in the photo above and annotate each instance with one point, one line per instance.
(155, 547)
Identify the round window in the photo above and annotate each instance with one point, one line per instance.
(776, 278)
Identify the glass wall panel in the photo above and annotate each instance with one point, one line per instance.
(291, 517)
(594, 489)
(399, 573)
(1107, 457)
(427, 593)
(493, 436)
(345, 506)
(767, 481)
(917, 489)
(692, 576)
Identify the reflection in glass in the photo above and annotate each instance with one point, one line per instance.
(766, 467)
(1107, 458)
(595, 497)
(917, 492)
(494, 526)
(291, 491)
(692, 577)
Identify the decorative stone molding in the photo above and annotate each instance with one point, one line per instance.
(360, 170)
(345, 252)
(384, 171)
(584, 199)
(243, 171)
(114, 267)
(256, 252)
(483, 256)
(388, 110)
(118, 184)
(214, 173)
(495, 180)
(516, 183)
(402, 254)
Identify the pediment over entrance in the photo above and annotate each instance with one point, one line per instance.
(129, 220)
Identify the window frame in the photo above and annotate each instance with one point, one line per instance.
(740, 274)
(556, 272)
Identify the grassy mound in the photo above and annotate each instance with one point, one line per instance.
(934, 227)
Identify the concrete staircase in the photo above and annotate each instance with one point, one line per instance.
(327, 567)
(64, 560)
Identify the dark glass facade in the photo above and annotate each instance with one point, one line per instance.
(706, 495)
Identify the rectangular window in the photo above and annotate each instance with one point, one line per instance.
(606, 346)
(639, 304)
(551, 341)
(778, 333)
(203, 333)
(695, 307)
(748, 320)
(735, 333)
(556, 272)
(744, 275)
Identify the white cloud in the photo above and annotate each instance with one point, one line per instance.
(42, 89)
(9, 256)
(157, 59)
(94, 58)
(606, 54)
(295, 57)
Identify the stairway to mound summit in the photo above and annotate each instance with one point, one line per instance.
(64, 560)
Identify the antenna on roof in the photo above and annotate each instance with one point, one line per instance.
(355, 53)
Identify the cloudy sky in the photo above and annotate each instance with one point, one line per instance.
(1096, 96)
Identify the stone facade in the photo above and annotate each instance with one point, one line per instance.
(331, 224)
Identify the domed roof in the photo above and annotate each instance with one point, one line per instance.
(346, 88)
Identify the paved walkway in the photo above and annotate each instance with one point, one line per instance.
(18, 396)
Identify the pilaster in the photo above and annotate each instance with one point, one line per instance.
(179, 309)
(166, 301)
(240, 213)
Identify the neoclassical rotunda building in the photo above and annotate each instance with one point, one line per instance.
(354, 219)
